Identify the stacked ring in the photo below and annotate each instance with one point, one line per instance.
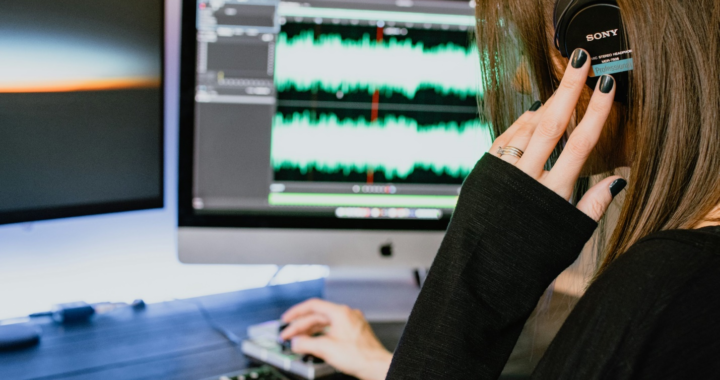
(510, 151)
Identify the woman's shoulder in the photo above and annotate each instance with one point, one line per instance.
(663, 263)
(654, 309)
(703, 241)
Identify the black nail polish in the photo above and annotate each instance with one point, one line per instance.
(535, 106)
(579, 57)
(617, 187)
(606, 84)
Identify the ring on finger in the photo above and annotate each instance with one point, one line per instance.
(511, 151)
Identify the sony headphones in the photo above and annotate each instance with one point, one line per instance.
(596, 26)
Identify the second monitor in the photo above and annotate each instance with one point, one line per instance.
(328, 132)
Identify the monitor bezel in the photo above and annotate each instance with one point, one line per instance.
(187, 217)
(50, 213)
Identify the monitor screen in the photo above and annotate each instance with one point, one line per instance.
(328, 113)
(81, 107)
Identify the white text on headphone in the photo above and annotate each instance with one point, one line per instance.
(599, 36)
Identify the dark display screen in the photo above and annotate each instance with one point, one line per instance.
(81, 107)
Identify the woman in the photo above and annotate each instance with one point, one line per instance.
(651, 311)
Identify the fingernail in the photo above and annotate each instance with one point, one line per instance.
(579, 57)
(535, 106)
(606, 84)
(617, 187)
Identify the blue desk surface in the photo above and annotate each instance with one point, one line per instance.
(170, 340)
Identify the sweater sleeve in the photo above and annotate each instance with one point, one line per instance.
(509, 238)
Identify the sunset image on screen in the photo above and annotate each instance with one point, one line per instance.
(78, 85)
(76, 52)
(34, 62)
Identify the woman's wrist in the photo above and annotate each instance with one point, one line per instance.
(376, 365)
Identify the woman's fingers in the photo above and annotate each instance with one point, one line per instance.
(306, 325)
(503, 139)
(556, 118)
(298, 311)
(320, 346)
(597, 200)
(583, 139)
(526, 123)
(330, 310)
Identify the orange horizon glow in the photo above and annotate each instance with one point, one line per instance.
(80, 85)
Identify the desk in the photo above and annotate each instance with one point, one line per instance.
(170, 340)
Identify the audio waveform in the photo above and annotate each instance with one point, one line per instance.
(330, 63)
(391, 149)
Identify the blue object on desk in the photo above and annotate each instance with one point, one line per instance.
(76, 312)
(18, 336)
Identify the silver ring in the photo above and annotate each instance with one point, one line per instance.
(511, 151)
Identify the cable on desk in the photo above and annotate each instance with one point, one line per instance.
(229, 335)
(271, 281)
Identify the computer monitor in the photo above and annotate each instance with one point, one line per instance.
(81, 107)
(332, 132)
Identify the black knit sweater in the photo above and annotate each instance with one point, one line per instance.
(653, 314)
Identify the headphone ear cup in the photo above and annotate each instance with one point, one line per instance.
(598, 29)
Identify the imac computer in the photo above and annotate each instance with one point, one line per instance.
(81, 108)
(334, 132)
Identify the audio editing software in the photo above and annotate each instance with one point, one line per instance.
(361, 109)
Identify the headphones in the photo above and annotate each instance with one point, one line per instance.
(596, 26)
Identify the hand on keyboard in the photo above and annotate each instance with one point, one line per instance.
(348, 342)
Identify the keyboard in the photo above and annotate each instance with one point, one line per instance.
(260, 373)
(265, 346)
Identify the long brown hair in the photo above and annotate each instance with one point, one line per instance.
(671, 121)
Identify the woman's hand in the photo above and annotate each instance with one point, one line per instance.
(348, 342)
(537, 134)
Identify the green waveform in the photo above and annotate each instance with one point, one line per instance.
(331, 64)
(394, 145)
